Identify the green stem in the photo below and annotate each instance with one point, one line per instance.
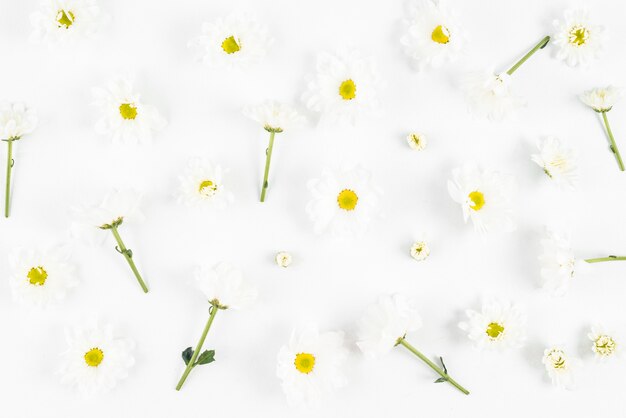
(7, 191)
(529, 54)
(268, 159)
(195, 354)
(613, 144)
(128, 255)
(402, 341)
(609, 258)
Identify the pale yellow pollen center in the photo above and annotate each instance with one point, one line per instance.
(94, 357)
(578, 35)
(604, 345)
(347, 199)
(441, 35)
(37, 276)
(557, 359)
(494, 330)
(304, 362)
(207, 188)
(347, 90)
(65, 18)
(478, 200)
(230, 45)
(128, 111)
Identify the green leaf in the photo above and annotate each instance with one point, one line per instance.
(441, 379)
(445, 370)
(207, 356)
(187, 355)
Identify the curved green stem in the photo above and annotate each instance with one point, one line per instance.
(128, 255)
(529, 54)
(194, 357)
(609, 258)
(402, 341)
(268, 160)
(7, 190)
(613, 144)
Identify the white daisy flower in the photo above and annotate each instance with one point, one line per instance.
(345, 86)
(202, 185)
(283, 259)
(235, 41)
(560, 366)
(40, 278)
(343, 202)
(603, 342)
(420, 250)
(95, 359)
(274, 116)
(558, 264)
(433, 35)
(490, 95)
(417, 141)
(579, 41)
(125, 118)
(498, 325)
(311, 365)
(484, 196)
(225, 285)
(557, 161)
(602, 99)
(66, 20)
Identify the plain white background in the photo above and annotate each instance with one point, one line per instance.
(65, 163)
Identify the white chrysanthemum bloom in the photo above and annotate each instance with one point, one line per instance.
(283, 259)
(558, 264)
(343, 202)
(202, 185)
(274, 117)
(345, 86)
(125, 118)
(601, 99)
(385, 322)
(498, 325)
(420, 250)
(95, 359)
(40, 278)
(235, 41)
(560, 367)
(225, 285)
(310, 366)
(578, 40)
(557, 161)
(484, 196)
(433, 35)
(66, 20)
(489, 95)
(603, 342)
(417, 141)
(16, 120)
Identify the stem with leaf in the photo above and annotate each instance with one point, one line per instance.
(613, 146)
(268, 160)
(7, 190)
(529, 54)
(128, 255)
(609, 258)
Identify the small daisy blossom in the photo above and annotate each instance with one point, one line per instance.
(420, 250)
(603, 342)
(558, 264)
(345, 87)
(557, 161)
(484, 196)
(235, 41)
(66, 20)
(225, 284)
(602, 99)
(283, 259)
(310, 366)
(124, 116)
(417, 141)
(41, 277)
(578, 40)
(489, 95)
(498, 325)
(95, 359)
(560, 366)
(274, 116)
(16, 120)
(433, 35)
(343, 202)
(202, 185)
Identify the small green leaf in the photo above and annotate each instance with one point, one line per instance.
(445, 370)
(441, 379)
(187, 355)
(207, 356)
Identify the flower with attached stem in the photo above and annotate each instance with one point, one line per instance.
(66, 20)
(603, 342)
(560, 366)
(489, 93)
(275, 118)
(16, 120)
(557, 161)
(601, 100)
(385, 326)
(578, 39)
(224, 288)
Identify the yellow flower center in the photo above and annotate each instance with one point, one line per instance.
(557, 358)
(494, 330)
(347, 90)
(94, 357)
(347, 199)
(65, 18)
(478, 200)
(304, 362)
(207, 188)
(230, 45)
(37, 276)
(441, 35)
(604, 345)
(128, 111)
(578, 35)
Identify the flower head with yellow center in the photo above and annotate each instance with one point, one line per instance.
(498, 325)
(577, 38)
(420, 250)
(604, 342)
(66, 20)
(560, 366)
(558, 162)
(283, 259)
(417, 141)
(202, 185)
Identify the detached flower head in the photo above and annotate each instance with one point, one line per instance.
(484, 197)
(16, 120)
(274, 117)
(578, 39)
(601, 99)
(124, 117)
(489, 95)
(66, 20)
(311, 365)
(202, 185)
(420, 250)
(558, 264)
(558, 162)
(560, 367)
(417, 141)
(603, 343)
(235, 41)
(283, 259)
(224, 286)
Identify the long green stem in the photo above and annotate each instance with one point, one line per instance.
(268, 160)
(7, 191)
(613, 144)
(432, 365)
(195, 354)
(609, 258)
(529, 54)
(128, 255)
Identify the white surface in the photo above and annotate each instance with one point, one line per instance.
(64, 163)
